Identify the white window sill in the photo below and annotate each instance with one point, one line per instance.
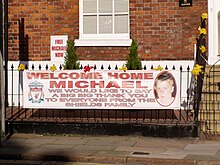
(103, 42)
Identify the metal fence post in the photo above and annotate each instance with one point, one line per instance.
(2, 102)
(5, 54)
(1, 48)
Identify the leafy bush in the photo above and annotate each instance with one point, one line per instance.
(71, 58)
(133, 63)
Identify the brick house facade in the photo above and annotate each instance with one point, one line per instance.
(163, 30)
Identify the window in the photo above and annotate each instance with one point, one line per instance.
(104, 23)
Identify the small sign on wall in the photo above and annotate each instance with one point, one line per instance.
(185, 3)
(58, 47)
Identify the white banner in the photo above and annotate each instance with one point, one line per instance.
(77, 89)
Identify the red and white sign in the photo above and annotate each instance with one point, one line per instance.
(76, 89)
(58, 47)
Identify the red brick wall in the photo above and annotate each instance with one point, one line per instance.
(163, 30)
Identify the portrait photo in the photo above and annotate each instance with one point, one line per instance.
(165, 88)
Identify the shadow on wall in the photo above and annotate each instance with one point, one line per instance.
(23, 42)
(23, 51)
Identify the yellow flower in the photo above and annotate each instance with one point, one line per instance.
(53, 68)
(202, 49)
(124, 68)
(197, 70)
(204, 16)
(158, 68)
(202, 31)
(21, 67)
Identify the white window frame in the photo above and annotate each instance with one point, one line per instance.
(213, 31)
(101, 39)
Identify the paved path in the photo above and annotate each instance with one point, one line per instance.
(132, 150)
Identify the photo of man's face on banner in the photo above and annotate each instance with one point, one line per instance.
(165, 88)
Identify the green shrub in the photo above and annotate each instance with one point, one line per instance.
(71, 58)
(133, 63)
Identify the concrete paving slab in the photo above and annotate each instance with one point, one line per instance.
(24, 135)
(130, 150)
(207, 146)
(201, 157)
(73, 136)
(12, 151)
(109, 143)
(112, 153)
(160, 145)
(110, 138)
(20, 145)
(55, 147)
(14, 140)
(80, 152)
(191, 152)
(95, 148)
(162, 156)
(41, 140)
(65, 153)
(44, 152)
(140, 149)
(71, 141)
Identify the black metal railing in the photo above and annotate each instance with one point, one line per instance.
(209, 113)
(185, 115)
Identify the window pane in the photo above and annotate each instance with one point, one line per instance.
(89, 24)
(105, 6)
(105, 24)
(121, 6)
(89, 6)
(121, 24)
(107, 18)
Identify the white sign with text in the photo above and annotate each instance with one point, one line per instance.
(58, 47)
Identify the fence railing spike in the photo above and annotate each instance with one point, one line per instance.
(32, 67)
(188, 68)
(60, 67)
(81, 67)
